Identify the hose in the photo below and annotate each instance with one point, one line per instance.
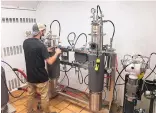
(67, 78)
(99, 9)
(85, 79)
(151, 72)
(59, 26)
(66, 75)
(10, 92)
(69, 35)
(120, 73)
(118, 78)
(79, 37)
(79, 71)
(113, 30)
(13, 71)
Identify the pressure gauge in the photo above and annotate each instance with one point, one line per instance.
(93, 10)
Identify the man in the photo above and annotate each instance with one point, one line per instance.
(35, 56)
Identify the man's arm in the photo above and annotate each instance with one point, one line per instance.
(46, 56)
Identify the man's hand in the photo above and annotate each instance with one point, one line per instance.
(58, 51)
(50, 49)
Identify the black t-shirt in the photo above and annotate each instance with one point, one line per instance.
(35, 55)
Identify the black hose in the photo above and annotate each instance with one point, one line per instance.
(66, 70)
(65, 74)
(118, 78)
(113, 28)
(69, 35)
(151, 72)
(59, 26)
(99, 9)
(119, 74)
(85, 79)
(13, 71)
(10, 92)
(79, 71)
(67, 78)
(79, 37)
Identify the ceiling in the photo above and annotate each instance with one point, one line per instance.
(25, 4)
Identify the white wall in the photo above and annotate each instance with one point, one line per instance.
(13, 34)
(134, 21)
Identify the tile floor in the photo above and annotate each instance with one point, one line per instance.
(59, 104)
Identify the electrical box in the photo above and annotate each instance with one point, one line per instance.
(81, 56)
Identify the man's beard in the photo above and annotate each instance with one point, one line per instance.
(41, 36)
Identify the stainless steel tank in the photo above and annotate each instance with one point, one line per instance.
(95, 102)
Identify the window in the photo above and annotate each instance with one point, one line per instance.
(13, 20)
(17, 20)
(21, 20)
(10, 20)
(3, 20)
(7, 20)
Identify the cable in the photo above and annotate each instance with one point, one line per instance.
(98, 8)
(85, 79)
(79, 37)
(66, 70)
(69, 35)
(10, 92)
(65, 74)
(119, 74)
(81, 82)
(150, 58)
(113, 28)
(67, 78)
(59, 26)
(13, 71)
(151, 72)
(118, 78)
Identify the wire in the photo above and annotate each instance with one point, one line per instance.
(119, 74)
(98, 8)
(79, 37)
(13, 71)
(68, 37)
(81, 82)
(10, 92)
(85, 79)
(67, 78)
(66, 70)
(113, 28)
(150, 58)
(59, 26)
(151, 72)
(66, 74)
(118, 78)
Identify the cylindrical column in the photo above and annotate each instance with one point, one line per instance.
(96, 80)
(52, 87)
(130, 96)
(53, 72)
(95, 102)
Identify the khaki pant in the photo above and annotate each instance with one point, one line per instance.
(42, 89)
